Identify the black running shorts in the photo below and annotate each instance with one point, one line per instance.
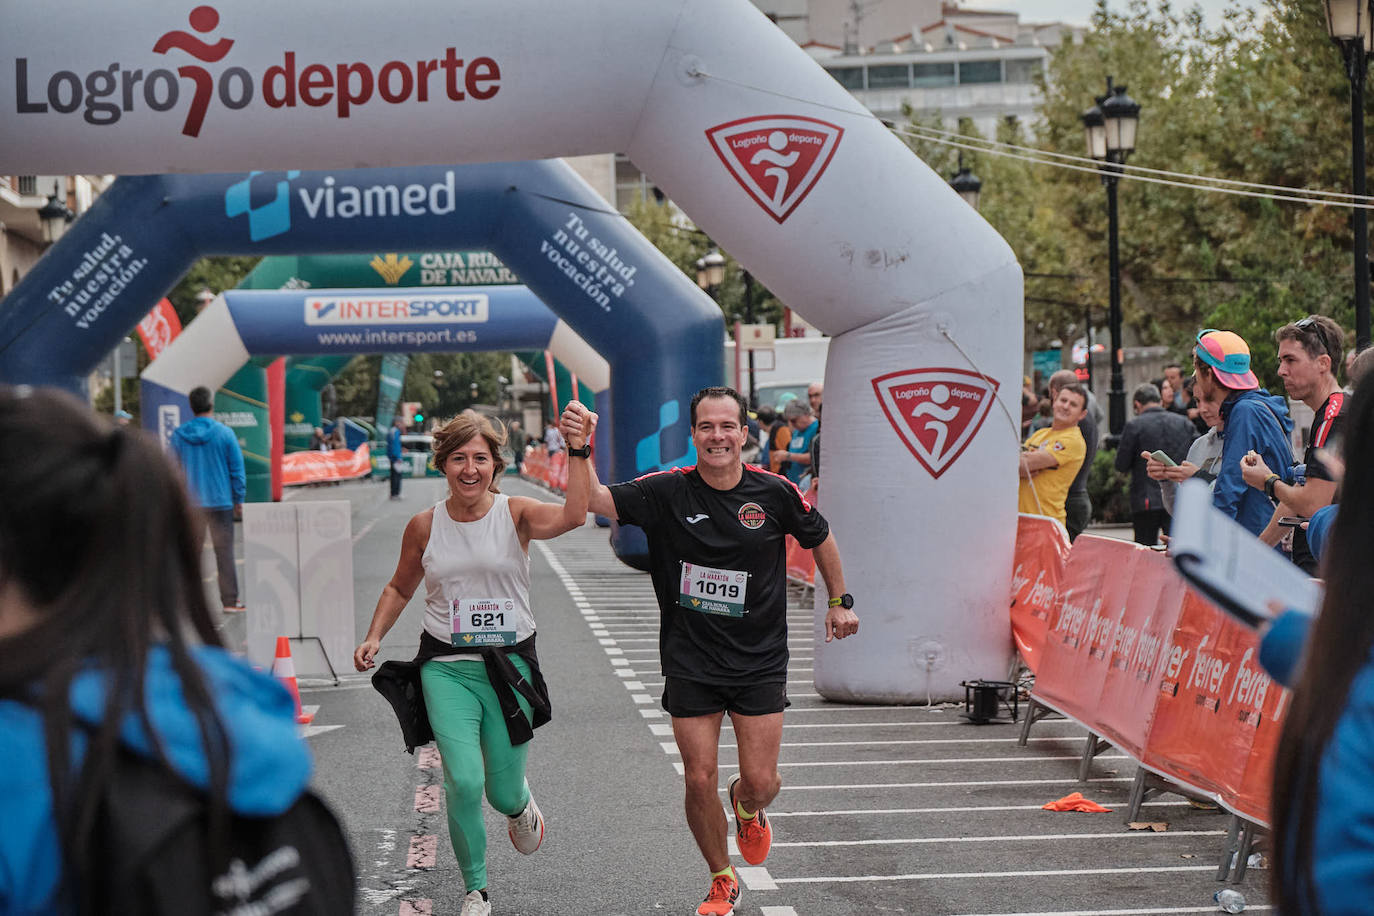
(684, 699)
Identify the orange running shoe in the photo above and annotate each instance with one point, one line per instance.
(755, 835)
(721, 899)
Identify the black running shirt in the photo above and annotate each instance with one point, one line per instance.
(1326, 432)
(719, 571)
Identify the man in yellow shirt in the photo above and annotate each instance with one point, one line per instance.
(1051, 457)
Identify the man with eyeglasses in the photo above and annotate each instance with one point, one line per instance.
(1309, 352)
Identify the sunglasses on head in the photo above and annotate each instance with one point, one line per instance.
(1311, 325)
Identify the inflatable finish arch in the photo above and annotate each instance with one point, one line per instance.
(240, 324)
(611, 288)
(749, 136)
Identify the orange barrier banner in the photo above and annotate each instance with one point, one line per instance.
(1042, 554)
(1139, 652)
(558, 471)
(1194, 738)
(1210, 733)
(299, 468)
(1097, 584)
(1267, 701)
(1135, 656)
(801, 564)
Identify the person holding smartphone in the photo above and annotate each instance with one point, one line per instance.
(1204, 455)
(1153, 429)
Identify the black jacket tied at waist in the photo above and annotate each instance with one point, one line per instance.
(399, 683)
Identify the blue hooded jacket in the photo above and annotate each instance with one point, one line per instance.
(1254, 420)
(1343, 830)
(210, 454)
(269, 764)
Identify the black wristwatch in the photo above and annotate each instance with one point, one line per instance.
(583, 452)
(845, 601)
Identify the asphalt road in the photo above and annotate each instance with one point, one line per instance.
(883, 809)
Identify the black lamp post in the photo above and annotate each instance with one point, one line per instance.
(1348, 23)
(710, 276)
(54, 217)
(966, 184)
(1110, 131)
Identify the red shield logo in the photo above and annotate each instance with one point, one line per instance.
(777, 158)
(936, 412)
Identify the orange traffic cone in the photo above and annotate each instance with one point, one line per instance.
(284, 670)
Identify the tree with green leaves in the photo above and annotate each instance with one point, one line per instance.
(1258, 98)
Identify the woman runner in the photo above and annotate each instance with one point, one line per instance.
(472, 551)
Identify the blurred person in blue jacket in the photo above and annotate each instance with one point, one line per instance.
(1252, 420)
(210, 455)
(1322, 809)
(109, 647)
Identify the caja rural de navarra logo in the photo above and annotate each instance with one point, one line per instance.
(104, 95)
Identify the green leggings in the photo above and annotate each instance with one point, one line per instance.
(470, 732)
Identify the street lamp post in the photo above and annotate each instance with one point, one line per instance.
(54, 216)
(710, 276)
(966, 184)
(1348, 23)
(1110, 132)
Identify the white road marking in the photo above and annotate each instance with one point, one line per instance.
(1011, 838)
(1152, 911)
(941, 785)
(960, 809)
(756, 878)
(1029, 873)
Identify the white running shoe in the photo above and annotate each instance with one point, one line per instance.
(526, 829)
(474, 905)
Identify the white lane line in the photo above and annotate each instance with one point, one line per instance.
(777, 911)
(1152, 911)
(756, 878)
(362, 532)
(1029, 873)
(906, 741)
(961, 809)
(916, 841)
(1097, 780)
(933, 760)
(1079, 733)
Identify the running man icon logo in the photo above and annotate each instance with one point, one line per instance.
(936, 412)
(777, 158)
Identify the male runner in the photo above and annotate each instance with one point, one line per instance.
(1309, 352)
(716, 554)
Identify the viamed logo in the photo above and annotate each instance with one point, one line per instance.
(266, 220)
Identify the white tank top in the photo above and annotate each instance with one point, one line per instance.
(476, 566)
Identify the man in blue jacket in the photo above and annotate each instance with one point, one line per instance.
(1253, 420)
(209, 453)
(394, 453)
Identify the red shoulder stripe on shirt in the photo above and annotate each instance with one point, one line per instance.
(1333, 410)
(806, 505)
(679, 470)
